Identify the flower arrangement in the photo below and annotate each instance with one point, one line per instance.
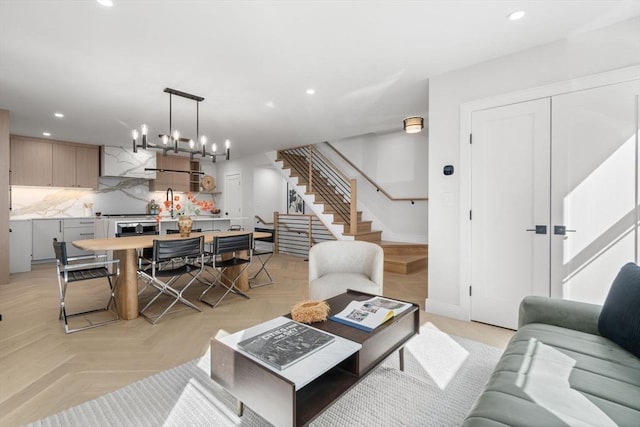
(191, 206)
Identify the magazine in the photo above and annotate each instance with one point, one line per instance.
(368, 315)
(285, 345)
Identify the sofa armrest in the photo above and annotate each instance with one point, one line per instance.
(575, 315)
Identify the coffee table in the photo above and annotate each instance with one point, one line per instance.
(298, 394)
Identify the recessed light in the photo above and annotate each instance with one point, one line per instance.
(106, 3)
(58, 115)
(514, 16)
(46, 134)
(311, 91)
(270, 104)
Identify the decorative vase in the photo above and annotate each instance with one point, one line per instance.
(184, 225)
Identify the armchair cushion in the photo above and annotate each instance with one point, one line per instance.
(620, 317)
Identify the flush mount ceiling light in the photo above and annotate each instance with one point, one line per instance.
(173, 141)
(46, 133)
(413, 124)
(58, 115)
(514, 16)
(311, 91)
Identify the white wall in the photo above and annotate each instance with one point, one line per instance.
(594, 52)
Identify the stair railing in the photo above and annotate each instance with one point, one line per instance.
(325, 180)
(294, 234)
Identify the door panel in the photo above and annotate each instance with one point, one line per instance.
(510, 162)
(594, 188)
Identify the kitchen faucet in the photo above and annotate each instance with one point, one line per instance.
(170, 190)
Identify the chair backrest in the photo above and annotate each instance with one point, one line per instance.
(347, 256)
(168, 249)
(226, 244)
(236, 227)
(60, 248)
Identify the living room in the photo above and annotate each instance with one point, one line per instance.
(602, 44)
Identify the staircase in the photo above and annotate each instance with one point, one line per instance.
(338, 196)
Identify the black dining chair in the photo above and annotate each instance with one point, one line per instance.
(229, 251)
(187, 258)
(86, 269)
(262, 251)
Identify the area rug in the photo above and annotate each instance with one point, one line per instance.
(443, 376)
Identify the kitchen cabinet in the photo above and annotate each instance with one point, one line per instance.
(31, 161)
(39, 162)
(44, 231)
(65, 230)
(77, 229)
(178, 181)
(19, 246)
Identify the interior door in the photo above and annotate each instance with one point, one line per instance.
(510, 163)
(233, 198)
(594, 192)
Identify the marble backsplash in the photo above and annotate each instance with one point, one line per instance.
(114, 196)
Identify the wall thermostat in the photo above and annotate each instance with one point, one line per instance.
(448, 170)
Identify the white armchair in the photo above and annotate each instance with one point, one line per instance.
(336, 266)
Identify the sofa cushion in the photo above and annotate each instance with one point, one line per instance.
(620, 316)
(549, 375)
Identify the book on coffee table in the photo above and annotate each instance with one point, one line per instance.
(285, 345)
(369, 314)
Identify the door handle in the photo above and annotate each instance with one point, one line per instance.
(561, 230)
(540, 229)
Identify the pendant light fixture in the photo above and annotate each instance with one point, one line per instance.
(173, 141)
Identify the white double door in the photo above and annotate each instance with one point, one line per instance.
(554, 198)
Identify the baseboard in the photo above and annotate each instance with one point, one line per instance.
(446, 309)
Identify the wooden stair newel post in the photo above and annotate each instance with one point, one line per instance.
(276, 227)
(353, 208)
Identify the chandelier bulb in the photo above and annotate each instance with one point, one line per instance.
(214, 147)
(144, 129)
(227, 143)
(176, 135)
(191, 143)
(203, 140)
(165, 139)
(134, 134)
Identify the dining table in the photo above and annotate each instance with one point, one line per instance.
(126, 249)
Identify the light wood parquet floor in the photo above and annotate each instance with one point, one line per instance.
(43, 370)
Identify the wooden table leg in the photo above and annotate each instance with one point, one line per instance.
(127, 286)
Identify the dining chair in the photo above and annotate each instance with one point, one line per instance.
(186, 257)
(262, 251)
(229, 251)
(71, 270)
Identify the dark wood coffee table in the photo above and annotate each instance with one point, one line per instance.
(276, 397)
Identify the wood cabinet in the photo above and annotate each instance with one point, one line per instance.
(178, 181)
(39, 162)
(31, 162)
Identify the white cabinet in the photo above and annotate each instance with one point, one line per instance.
(77, 229)
(19, 246)
(65, 230)
(44, 231)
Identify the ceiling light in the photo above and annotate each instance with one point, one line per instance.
(413, 124)
(514, 16)
(46, 133)
(106, 3)
(270, 104)
(174, 135)
(311, 91)
(58, 115)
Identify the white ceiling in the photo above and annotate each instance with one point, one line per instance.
(369, 62)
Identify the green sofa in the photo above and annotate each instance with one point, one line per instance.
(559, 370)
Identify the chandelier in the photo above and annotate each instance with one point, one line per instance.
(176, 143)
